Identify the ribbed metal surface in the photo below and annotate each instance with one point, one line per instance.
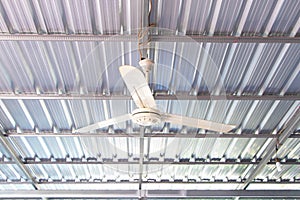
(85, 172)
(289, 172)
(60, 113)
(16, 187)
(287, 17)
(11, 171)
(227, 17)
(290, 149)
(248, 115)
(202, 148)
(65, 66)
(91, 67)
(114, 17)
(18, 114)
(5, 121)
(85, 66)
(259, 12)
(195, 172)
(105, 186)
(288, 67)
(72, 17)
(3, 152)
(73, 147)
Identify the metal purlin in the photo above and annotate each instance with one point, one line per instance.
(154, 38)
(6, 144)
(290, 126)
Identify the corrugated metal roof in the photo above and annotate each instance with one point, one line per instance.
(16, 187)
(64, 66)
(111, 17)
(196, 17)
(249, 115)
(37, 123)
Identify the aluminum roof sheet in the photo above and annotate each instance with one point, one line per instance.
(108, 17)
(78, 172)
(3, 152)
(229, 16)
(28, 114)
(183, 173)
(80, 17)
(85, 186)
(85, 66)
(16, 187)
(76, 67)
(11, 172)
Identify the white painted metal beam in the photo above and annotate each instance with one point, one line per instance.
(148, 193)
(153, 135)
(289, 127)
(154, 38)
(178, 96)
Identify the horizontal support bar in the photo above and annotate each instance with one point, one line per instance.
(64, 162)
(152, 135)
(225, 39)
(154, 38)
(148, 193)
(136, 181)
(189, 181)
(149, 181)
(179, 96)
(14, 156)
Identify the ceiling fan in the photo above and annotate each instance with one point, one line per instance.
(147, 113)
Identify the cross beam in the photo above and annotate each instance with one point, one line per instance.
(290, 126)
(216, 162)
(15, 157)
(154, 38)
(152, 135)
(149, 193)
(157, 96)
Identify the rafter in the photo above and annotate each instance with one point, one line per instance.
(149, 193)
(152, 135)
(157, 95)
(154, 38)
(16, 159)
(290, 126)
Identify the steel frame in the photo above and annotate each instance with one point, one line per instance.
(162, 135)
(157, 96)
(149, 193)
(290, 126)
(15, 158)
(136, 181)
(65, 162)
(154, 38)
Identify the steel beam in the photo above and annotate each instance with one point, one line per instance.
(154, 38)
(15, 157)
(290, 126)
(229, 162)
(141, 157)
(157, 96)
(150, 193)
(150, 181)
(222, 193)
(152, 135)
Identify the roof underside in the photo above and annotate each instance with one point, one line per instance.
(229, 61)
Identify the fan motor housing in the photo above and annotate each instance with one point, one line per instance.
(146, 116)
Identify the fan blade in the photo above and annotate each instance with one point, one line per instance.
(137, 86)
(198, 123)
(104, 123)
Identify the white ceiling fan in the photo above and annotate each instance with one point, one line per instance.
(147, 113)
